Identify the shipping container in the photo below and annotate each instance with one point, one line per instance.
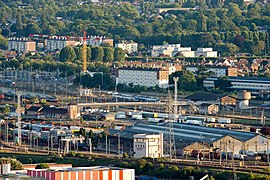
(155, 120)
(211, 120)
(224, 120)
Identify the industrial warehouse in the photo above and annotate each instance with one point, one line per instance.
(191, 137)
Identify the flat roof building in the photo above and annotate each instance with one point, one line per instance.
(129, 46)
(241, 83)
(148, 77)
(21, 45)
(148, 145)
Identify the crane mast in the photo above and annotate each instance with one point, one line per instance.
(84, 53)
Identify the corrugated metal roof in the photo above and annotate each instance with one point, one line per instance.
(188, 133)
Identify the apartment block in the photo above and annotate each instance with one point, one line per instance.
(21, 45)
(56, 43)
(148, 77)
(171, 50)
(129, 46)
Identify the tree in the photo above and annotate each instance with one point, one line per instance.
(67, 54)
(3, 42)
(201, 74)
(42, 166)
(264, 64)
(6, 110)
(43, 21)
(15, 164)
(83, 132)
(187, 80)
(32, 28)
(233, 10)
(108, 54)
(191, 24)
(239, 41)
(226, 49)
(222, 83)
(119, 55)
(202, 25)
(97, 53)
(78, 51)
(19, 25)
(265, 130)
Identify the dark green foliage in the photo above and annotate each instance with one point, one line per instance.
(222, 83)
(108, 54)
(15, 164)
(67, 54)
(97, 53)
(228, 18)
(119, 55)
(187, 80)
(104, 81)
(42, 166)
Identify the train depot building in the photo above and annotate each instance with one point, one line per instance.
(192, 137)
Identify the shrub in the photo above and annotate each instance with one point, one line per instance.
(71, 154)
(42, 166)
(15, 164)
(125, 155)
(79, 155)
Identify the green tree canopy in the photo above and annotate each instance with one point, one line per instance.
(42, 166)
(67, 54)
(187, 80)
(119, 55)
(97, 53)
(108, 54)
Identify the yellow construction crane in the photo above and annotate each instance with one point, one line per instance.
(84, 53)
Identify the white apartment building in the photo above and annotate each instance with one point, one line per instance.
(56, 43)
(171, 50)
(206, 52)
(129, 46)
(148, 77)
(21, 45)
(148, 145)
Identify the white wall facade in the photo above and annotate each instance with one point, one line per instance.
(206, 52)
(130, 47)
(148, 145)
(141, 77)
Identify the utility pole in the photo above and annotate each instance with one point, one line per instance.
(119, 146)
(109, 146)
(106, 144)
(175, 79)
(19, 118)
(48, 143)
(262, 117)
(90, 146)
(51, 143)
(7, 131)
(169, 134)
(268, 153)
